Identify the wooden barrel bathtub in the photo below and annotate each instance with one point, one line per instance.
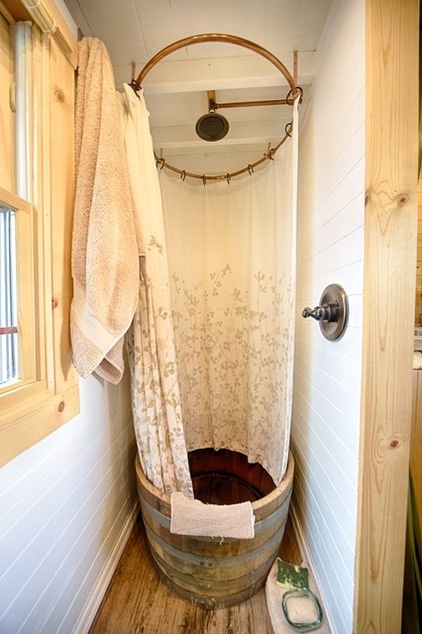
(208, 571)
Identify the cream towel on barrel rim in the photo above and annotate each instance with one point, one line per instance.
(105, 265)
(194, 518)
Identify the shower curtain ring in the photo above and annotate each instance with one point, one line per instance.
(159, 161)
(269, 153)
(250, 169)
(228, 178)
(288, 128)
(204, 179)
(290, 98)
(183, 175)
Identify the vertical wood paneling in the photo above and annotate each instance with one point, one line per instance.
(392, 48)
(62, 192)
(7, 132)
(416, 439)
(418, 307)
(326, 404)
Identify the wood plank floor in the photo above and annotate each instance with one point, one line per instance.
(138, 602)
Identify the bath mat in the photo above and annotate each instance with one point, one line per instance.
(274, 593)
(192, 517)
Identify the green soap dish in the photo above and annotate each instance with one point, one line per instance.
(293, 617)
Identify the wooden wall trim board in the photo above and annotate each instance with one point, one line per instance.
(418, 294)
(62, 152)
(65, 38)
(392, 36)
(416, 440)
(63, 35)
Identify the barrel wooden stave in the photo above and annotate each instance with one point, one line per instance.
(211, 571)
(217, 568)
(159, 524)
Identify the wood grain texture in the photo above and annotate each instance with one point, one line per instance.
(418, 307)
(138, 602)
(48, 394)
(416, 440)
(203, 569)
(389, 291)
(7, 132)
(62, 91)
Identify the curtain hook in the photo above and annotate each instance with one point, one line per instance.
(133, 83)
(159, 161)
(269, 153)
(204, 179)
(183, 175)
(228, 178)
(162, 160)
(250, 169)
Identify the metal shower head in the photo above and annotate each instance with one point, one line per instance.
(212, 127)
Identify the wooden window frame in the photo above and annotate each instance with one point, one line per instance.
(29, 340)
(47, 392)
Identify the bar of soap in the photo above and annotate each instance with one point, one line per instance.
(301, 610)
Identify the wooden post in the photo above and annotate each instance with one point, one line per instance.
(392, 35)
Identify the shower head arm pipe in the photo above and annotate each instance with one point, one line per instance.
(295, 93)
(245, 104)
(216, 37)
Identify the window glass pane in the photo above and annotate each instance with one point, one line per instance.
(8, 297)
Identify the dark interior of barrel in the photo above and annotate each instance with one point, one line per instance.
(226, 477)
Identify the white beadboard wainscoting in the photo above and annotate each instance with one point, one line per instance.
(326, 404)
(67, 506)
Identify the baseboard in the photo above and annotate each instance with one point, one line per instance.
(87, 616)
(297, 530)
(306, 556)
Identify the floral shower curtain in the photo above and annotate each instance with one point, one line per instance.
(232, 251)
(230, 301)
(154, 386)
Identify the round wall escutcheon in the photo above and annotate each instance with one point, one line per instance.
(332, 313)
(335, 296)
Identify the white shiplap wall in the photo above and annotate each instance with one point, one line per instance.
(326, 406)
(67, 506)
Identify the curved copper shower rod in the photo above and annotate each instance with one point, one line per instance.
(269, 154)
(294, 92)
(216, 37)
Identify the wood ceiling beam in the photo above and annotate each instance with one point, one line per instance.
(242, 71)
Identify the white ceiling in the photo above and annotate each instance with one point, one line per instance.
(176, 88)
